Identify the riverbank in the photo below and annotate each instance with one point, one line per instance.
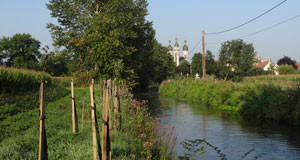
(19, 122)
(250, 99)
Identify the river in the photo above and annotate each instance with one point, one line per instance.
(214, 135)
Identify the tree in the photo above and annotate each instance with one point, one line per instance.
(288, 61)
(184, 67)
(53, 62)
(239, 56)
(196, 65)
(97, 35)
(20, 51)
(286, 69)
(162, 63)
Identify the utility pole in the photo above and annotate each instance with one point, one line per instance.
(203, 56)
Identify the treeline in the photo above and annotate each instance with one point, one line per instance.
(93, 39)
(236, 60)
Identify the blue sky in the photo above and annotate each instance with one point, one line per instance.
(186, 19)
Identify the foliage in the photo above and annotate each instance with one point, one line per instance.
(97, 35)
(14, 80)
(196, 65)
(288, 61)
(53, 63)
(162, 63)
(252, 99)
(184, 67)
(21, 51)
(239, 56)
(286, 69)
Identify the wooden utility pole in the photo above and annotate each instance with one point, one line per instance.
(74, 113)
(105, 124)
(43, 153)
(203, 56)
(96, 138)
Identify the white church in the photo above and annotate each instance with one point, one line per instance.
(176, 52)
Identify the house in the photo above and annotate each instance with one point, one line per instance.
(298, 66)
(266, 64)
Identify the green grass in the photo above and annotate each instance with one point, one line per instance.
(19, 137)
(255, 99)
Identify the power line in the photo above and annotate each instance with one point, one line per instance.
(249, 20)
(248, 35)
(265, 29)
(196, 45)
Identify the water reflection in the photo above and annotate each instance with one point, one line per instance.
(226, 134)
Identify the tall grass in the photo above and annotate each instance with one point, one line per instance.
(260, 99)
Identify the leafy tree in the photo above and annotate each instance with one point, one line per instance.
(184, 67)
(286, 69)
(288, 61)
(162, 62)
(239, 56)
(53, 63)
(20, 51)
(97, 35)
(196, 65)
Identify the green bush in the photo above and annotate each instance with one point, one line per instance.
(286, 69)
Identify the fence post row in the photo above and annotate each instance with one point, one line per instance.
(74, 113)
(43, 150)
(96, 137)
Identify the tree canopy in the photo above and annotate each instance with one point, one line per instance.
(109, 39)
(288, 61)
(239, 57)
(21, 51)
(196, 65)
(184, 67)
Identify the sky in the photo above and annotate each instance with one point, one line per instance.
(185, 19)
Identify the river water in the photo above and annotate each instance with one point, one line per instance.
(212, 135)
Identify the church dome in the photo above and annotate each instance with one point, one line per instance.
(170, 47)
(176, 44)
(185, 47)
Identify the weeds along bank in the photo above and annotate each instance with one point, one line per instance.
(19, 124)
(249, 99)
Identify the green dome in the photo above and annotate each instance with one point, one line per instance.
(176, 44)
(185, 48)
(170, 47)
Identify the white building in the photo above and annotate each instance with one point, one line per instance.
(175, 52)
(266, 64)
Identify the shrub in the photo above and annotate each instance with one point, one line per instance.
(286, 69)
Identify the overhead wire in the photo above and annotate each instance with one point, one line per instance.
(251, 20)
(196, 45)
(268, 28)
(265, 29)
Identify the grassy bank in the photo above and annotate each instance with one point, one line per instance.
(19, 124)
(249, 99)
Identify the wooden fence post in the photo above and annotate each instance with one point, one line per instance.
(74, 113)
(105, 124)
(96, 137)
(82, 115)
(43, 150)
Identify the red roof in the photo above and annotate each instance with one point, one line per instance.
(298, 65)
(262, 65)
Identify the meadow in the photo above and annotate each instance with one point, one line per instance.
(19, 125)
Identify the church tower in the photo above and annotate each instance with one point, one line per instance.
(170, 49)
(176, 52)
(185, 50)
